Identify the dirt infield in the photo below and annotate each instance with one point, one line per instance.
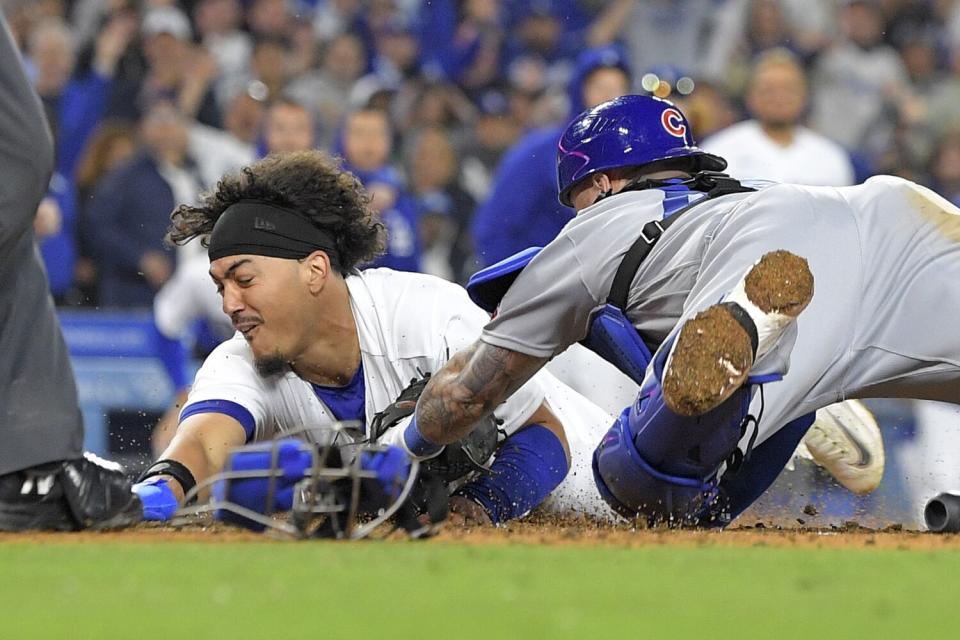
(556, 533)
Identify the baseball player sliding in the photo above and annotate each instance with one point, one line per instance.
(321, 342)
(703, 288)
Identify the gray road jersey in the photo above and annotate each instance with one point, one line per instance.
(548, 307)
(39, 415)
(885, 256)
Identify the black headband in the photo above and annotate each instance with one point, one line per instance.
(264, 229)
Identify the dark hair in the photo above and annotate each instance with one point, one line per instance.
(310, 182)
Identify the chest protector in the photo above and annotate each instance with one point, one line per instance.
(611, 335)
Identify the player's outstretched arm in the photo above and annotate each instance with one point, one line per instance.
(469, 387)
(198, 450)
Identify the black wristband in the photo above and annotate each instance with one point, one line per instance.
(176, 470)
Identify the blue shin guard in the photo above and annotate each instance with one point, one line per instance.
(662, 467)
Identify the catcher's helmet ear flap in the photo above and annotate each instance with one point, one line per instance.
(628, 131)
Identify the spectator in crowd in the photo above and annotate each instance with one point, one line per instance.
(326, 91)
(493, 133)
(218, 29)
(110, 146)
(438, 105)
(131, 209)
(366, 146)
(219, 151)
(288, 126)
(657, 32)
(269, 18)
(521, 209)
(774, 145)
(176, 71)
(855, 81)
(919, 51)
(466, 40)
(708, 109)
(396, 54)
(743, 30)
(444, 206)
(269, 68)
(74, 106)
(944, 167)
(540, 43)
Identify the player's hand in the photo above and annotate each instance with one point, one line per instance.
(467, 513)
(159, 502)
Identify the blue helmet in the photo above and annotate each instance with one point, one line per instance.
(628, 131)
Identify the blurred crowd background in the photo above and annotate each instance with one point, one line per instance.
(449, 111)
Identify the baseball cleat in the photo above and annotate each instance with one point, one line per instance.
(716, 349)
(83, 493)
(845, 440)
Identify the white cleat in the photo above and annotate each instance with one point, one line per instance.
(845, 440)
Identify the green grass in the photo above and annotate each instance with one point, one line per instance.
(422, 590)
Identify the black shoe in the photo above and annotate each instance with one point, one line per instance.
(85, 493)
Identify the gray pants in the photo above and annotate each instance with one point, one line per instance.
(883, 320)
(40, 418)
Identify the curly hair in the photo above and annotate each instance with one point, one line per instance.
(310, 182)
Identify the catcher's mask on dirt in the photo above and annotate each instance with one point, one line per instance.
(338, 489)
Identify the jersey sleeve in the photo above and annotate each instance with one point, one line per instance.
(548, 306)
(228, 383)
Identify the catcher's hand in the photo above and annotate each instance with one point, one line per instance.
(457, 459)
(464, 512)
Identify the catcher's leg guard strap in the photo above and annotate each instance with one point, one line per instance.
(765, 464)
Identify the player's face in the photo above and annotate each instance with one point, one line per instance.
(264, 298)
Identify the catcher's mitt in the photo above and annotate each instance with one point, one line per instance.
(457, 459)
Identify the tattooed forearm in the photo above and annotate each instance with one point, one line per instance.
(470, 386)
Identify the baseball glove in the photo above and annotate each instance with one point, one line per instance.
(457, 459)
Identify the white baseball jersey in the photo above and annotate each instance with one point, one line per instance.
(408, 324)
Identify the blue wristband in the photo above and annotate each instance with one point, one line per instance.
(159, 503)
(417, 444)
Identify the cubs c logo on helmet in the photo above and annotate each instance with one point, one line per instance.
(672, 121)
